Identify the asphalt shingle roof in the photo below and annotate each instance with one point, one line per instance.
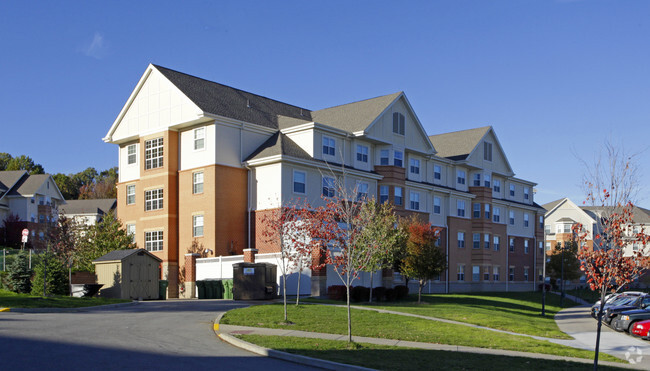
(549, 206)
(229, 102)
(9, 178)
(121, 254)
(279, 144)
(356, 116)
(28, 185)
(458, 145)
(97, 206)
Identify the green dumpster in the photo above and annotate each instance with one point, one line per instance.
(209, 289)
(162, 289)
(227, 289)
(218, 289)
(201, 289)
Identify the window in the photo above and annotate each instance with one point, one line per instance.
(497, 243)
(461, 239)
(497, 186)
(415, 166)
(486, 241)
(477, 210)
(526, 274)
(486, 273)
(487, 181)
(398, 196)
(495, 273)
(33, 218)
(512, 218)
(197, 225)
(487, 211)
(383, 194)
(635, 247)
(197, 182)
(130, 230)
(153, 199)
(299, 179)
(41, 218)
(437, 172)
(548, 246)
(460, 175)
(362, 191)
(328, 186)
(525, 220)
(199, 138)
(153, 153)
(476, 273)
(512, 190)
(398, 123)
(526, 193)
(487, 151)
(476, 240)
(383, 157)
(541, 277)
(460, 207)
(461, 273)
(130, 194)
(329, 146)
(497, 214)
(153, 241)
(477, 180)
(541, 245)
(512, 245)
(436, 205)
(525, 246)
(398, 158)
(511, 274)
(362, 153)
(131, 154)
(415, 200)
(567, 228)
(541, 223)
(558, 228)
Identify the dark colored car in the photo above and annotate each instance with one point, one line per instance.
(641, 302)
(625, 321)
(615, 300)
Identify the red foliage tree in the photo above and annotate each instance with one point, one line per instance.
(424, 260)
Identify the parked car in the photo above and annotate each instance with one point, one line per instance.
(641, 329)
(640, 302)
(614, 300)
(626, 320)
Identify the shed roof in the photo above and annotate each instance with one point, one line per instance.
(117, 255)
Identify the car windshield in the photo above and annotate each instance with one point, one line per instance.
(623, 301)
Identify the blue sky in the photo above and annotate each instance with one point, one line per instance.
(554, 78)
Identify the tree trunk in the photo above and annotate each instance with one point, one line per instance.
(298, 293)
(349, 317)
(600, 324)
(420, 285)
(284, 293)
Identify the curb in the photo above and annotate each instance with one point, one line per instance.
(66, 310)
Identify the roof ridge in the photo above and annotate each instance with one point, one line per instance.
(359, 101)
(458, 131)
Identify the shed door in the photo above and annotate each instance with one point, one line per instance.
(140, 285)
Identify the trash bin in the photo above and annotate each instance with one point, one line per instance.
(209, 289)
(218, 289)
(227, 289)
(162, 289)
(200, 285)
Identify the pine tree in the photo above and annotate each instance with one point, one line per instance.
(20, 274)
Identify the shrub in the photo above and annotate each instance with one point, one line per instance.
(20, 275)
(391, 294)
(401, 292)
(336, 292)
(4, 281)
(360, 293)
(379, 293)
(57, 277)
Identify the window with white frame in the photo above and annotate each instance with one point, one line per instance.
(383, 194)
(486, 211)
(476, 273)
(199, 138)
(153, 241)
(487, 151)
(477, 210)
(461, 239)
(437, 172)
(512, 217)
(329, 146)
(398, 158)
(477, 180)
(525, 246)
(476, 240)
(512, 245)
(511, 274)
(197, 182)
(541, 245)
(197, 225)
(496, 241)
(487, 180)
(153, 153)
(525, 220)
(436, 205)
(526, 274)
(398, 123)
(512, 190)
(399, 196)
(460, 176)
(153, 199)
(486, 273)
(460, 208)
(415, 200)
(526, 193)
(548, 246)
(558, 228)
(362, 153)
(497, 186)
(495, 273)
(497, 215)
(461, 272)
(130, 194)
(541, 222)
(130, 230)
(329, 186)
(486, 241)
(362, 191)
(131, 154)
(415, 166)
(384, 157)
(299, 182)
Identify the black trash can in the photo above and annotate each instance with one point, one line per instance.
(200, 285)
(162, 289)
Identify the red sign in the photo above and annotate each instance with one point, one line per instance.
(25, 232)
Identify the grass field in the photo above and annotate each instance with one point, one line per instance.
(10, 299)
(383, 357)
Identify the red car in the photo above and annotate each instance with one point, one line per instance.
(641, 329)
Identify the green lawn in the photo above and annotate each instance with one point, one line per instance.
(328, 319)
(383, 357)
(10, 299)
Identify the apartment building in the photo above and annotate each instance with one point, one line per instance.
(202, 161)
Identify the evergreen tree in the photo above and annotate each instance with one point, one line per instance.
(57, 276)
(20, 274)
(100, 239)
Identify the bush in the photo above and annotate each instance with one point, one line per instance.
(360, 293)
(4, 281)
(57, 277)
(391, 295)
(20, 275)
(547, 286)
(336, 292)
(379, 293)
(401, 292)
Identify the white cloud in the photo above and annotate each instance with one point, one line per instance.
(97, 48)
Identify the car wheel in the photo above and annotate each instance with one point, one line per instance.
(630, 327)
